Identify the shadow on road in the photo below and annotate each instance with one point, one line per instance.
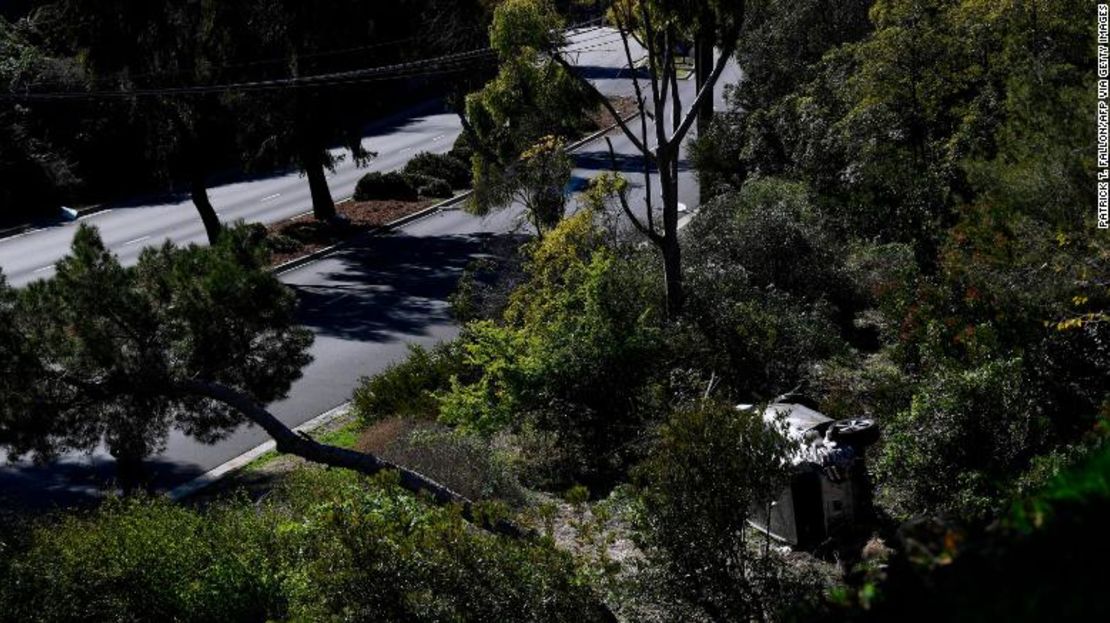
(392, 285)
(35, 489)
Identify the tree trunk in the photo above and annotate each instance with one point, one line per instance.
(131, 472)
(300, 444)
(323, 206)
(199, 193)
(668, 245)
(703, 72)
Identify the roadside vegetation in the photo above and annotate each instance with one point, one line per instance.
(913, 246)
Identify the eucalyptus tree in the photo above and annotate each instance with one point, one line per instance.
(659, 25)
(526, 29)
(532, 104)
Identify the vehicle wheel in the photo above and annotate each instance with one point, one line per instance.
(855, 430)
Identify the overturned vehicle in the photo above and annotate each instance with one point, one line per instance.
(829, 493)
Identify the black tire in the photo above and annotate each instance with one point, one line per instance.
(858, 431)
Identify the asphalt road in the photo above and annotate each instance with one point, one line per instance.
(365, 304)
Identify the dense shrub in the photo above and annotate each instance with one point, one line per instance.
(327, 546)
(428, 186)
(478, 468)
(964, 442)
(573, 352)
(710, 466)
(407, 388)
(142, 560)
(377, 186)
(766, 287)
(462, 151)
(443, 166)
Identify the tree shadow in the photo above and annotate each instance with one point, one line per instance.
(598, 72)
(387, 286)
(77, 482)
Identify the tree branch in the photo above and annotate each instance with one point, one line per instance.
(608, 106)
(648, 231)
(289, 442)
(643, 127)
(707, 88)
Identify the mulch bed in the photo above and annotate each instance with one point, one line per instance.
(302, 235)
(624, 105)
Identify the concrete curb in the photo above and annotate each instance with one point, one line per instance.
(404, 220)
(320, 254)
(214, 475)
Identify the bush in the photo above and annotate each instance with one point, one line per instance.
(710, 466)
(147, 559)
(572, 352)
(407, 389)
(443, 166)
(325, 546)
(463, 152)
(963, 444)
(377, 186)
(428, 186)
(477, 468)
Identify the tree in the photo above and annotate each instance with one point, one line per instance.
(35, 171)
(659, 24)
(195, 339)
(540, 181)
(161, 45)
(519, 119)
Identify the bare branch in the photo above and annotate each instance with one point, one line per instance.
(649, 230)
(643, 126)
(608, 106)
(707, 88)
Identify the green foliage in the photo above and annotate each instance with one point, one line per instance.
(428, 186)
(326, 546)
(963, 442)
(937, 262)
(532, 102)
(570, 354)
(1033, 565)
(767, 289)
(407, 389)
(102, 354)
(378, 186)
(138, 560)
(449, 167)
(710, 469)
(540, 181)
(520, 25)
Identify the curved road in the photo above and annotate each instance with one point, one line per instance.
(366, 304)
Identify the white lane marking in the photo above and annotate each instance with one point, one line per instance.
(270, 198)
(438, 137)
(136, 241)
(39, 270)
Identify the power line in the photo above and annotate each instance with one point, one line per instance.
(397, 70)
(418, 68)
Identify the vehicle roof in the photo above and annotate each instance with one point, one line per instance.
(798, 418)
